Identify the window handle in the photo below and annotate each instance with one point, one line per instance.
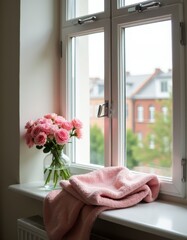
(89, 19)
(103, 110)
(144, 6)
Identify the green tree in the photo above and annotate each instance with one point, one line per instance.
(132, 141)
(96, 145)
(161, 134)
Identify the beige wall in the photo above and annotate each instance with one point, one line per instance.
(28, 68)
(39, 74)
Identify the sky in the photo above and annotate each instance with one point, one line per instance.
(147, 46)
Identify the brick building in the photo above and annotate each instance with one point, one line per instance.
(144, 94)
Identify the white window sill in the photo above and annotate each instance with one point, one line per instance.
(160, 218)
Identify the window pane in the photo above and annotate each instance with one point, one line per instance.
(78, 8)
(88, 77)
(148, 63)
(123, 3)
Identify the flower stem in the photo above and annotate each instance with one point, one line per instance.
(58, 169)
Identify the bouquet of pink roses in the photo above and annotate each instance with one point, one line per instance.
(51, 133)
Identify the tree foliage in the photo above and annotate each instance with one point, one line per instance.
(131, 142)
(141, 154)
(96, 145)
(161, 134)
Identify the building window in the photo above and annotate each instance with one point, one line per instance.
(164, 86)
(151, 114)
(97, 53)
(140, 139)
(152, 142)
(165, 113)
(140, 113)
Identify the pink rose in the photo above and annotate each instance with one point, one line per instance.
(29, 130)
(46, 128)
(76, 123)
(36, 130)
(52, 116)
(78, 133)
(40, 139)
(62, 136)
(44, 121)
(29, 124)
(67, 125)
(53, 129)
(59, 120)
(29, 140)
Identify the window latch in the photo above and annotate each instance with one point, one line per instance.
(144, 6)
(89, 19)
(103, 110)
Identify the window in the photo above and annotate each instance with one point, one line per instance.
(151, 113)
(140, 113)
(165, 113)
(116, 62)
(123, 3)
(164, 86)
(152, 142)
(78, 8)
(140, 138)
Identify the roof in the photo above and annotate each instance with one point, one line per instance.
(137, 86)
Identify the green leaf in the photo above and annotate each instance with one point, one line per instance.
(39, 147)
(46, 150)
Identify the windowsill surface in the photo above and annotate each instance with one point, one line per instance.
(159, 217)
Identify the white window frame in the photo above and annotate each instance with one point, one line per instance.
(115, 151)
(175, 187)
(71, 29)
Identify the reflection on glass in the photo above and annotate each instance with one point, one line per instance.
(78, 8)
(88, 75)
(148, 63)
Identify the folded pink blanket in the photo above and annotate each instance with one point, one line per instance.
(69, 214)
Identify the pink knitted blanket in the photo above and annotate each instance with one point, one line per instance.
(69, 214)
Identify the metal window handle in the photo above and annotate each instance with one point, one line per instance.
(89, 19)
(144, 6)
(104, 108)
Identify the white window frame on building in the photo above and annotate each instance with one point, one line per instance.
(114, 123)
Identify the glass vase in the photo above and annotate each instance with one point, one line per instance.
(56, 168)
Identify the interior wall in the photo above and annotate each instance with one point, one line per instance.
(29, 74)
(39, 75)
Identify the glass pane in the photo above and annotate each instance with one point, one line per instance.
(78, 8)
(148, 67)
(88, 75)
(124, 3)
